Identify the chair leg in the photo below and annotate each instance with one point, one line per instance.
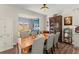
(57, 45)
(52, 50)
(46, 52)
(49, 51)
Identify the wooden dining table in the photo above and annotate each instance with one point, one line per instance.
(27, 42)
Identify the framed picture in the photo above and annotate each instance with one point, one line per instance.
(77, 29)
(68, 20)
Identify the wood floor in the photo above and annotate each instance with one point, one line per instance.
(63, 48)
(10, 51)
(66, 49)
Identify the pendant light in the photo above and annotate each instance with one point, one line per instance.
(44, 8)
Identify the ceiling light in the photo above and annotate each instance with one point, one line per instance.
(44, 8)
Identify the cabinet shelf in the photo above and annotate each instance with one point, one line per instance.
(68, 35)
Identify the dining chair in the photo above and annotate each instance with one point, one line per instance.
(38, 45)
(49, 45)
(18, 49)
(56, 40)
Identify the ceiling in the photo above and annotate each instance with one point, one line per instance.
(53, 8)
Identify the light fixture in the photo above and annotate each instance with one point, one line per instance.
(44, 8)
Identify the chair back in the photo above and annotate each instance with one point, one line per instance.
(56, 37)
(50, 41)
(38, 45)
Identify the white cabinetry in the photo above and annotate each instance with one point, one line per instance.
(6, 34)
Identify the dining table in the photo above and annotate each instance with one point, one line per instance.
(27, 42)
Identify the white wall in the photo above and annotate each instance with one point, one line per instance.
(12, 13)
(75, 20)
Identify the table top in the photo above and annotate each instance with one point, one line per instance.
(28, 41)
